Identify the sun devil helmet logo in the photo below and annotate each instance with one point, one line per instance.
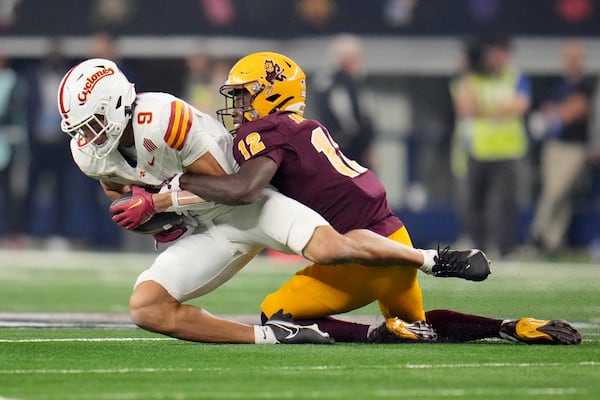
(274, 72)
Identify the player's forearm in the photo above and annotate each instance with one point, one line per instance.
(228, 189)
(243, 187)
(176, 201)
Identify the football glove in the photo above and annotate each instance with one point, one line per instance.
(139, 208)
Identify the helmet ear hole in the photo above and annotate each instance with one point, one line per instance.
(273, 98)
(119, 102)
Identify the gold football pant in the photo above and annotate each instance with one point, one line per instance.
(322, 290)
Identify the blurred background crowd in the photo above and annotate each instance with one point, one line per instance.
(421, 91)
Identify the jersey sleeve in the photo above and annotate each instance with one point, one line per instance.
(181, 132)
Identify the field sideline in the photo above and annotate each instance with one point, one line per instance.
(97, 354)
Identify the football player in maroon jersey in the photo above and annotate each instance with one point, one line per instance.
(275, 145)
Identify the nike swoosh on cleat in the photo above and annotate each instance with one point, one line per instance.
(292, 331)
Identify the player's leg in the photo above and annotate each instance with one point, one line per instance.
(404, 300)
(154, 309)
(190, 268)
(286, 222)
(315, 293)
(318, 291)
(359, 246)
(178, 274)
(456, 327)
(402, 305)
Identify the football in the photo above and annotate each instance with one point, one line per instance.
(158, 223)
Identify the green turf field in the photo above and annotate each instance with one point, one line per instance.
(124, 363)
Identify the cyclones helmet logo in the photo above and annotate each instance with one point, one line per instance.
(274, 72)
(91, 82)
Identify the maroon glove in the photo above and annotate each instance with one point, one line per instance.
(171, 234)
(134, 212)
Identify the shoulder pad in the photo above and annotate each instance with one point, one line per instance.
(260, 125)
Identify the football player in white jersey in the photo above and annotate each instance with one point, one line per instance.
(132, 142)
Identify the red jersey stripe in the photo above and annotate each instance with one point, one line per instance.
(171, 122)
(180, 123)
(184, 127)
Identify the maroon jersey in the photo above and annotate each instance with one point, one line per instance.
(313, 171)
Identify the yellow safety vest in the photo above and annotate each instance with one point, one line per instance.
(496, 138)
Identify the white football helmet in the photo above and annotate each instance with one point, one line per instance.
(95, 102)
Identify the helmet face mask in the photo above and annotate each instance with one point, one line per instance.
(238, 106)
(272, 82)
(95, 101)
(95, 133)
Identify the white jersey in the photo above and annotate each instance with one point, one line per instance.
(169, 135)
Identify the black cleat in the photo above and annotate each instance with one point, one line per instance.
(537, 331)
(395, 330)
(288, 332)
(472, 265)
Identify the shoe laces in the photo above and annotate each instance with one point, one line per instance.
(450, 260)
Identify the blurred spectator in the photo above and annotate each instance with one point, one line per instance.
(8, 14)
(202, 82)
(399, 12)
(104, 45)
(50, 167)
(562, 123)
(341, 100)
(490, 100)
(13, 154)
(112, 14)
(317, 15)
(220, 13)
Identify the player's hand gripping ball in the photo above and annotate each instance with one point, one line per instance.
(135, 211)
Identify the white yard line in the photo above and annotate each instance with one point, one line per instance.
(107, 339)
(298, 368)
(121, 320)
